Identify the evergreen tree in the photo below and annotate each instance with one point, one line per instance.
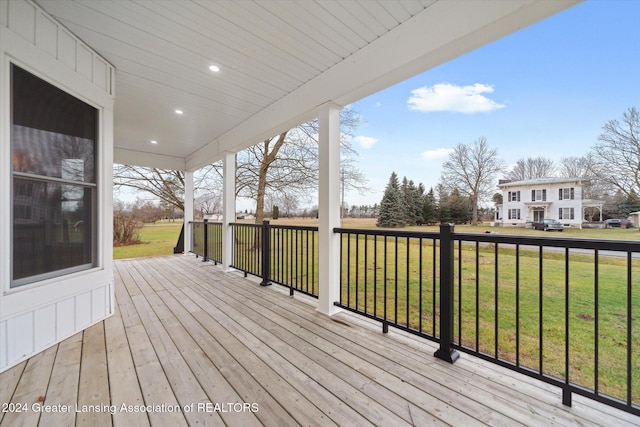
(460, 207)
(430, 213)
(391, 212)
(444, 204)
(416, 202)
(405, 189)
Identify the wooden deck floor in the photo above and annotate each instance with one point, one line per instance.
(190, 345)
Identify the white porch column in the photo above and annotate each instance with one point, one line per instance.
(228, 207)
(188, 211)
(329, 208)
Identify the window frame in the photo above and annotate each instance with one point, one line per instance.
(33, 179)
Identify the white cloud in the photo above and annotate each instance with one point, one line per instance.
(447, 97)
(438, 153)
(365, 141)
(378, 104)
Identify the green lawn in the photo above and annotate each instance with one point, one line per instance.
(157, 239)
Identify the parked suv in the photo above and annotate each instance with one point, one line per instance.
(548, 225)
(622, 223)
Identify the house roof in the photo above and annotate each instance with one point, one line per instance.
(279, 61)
(543, 181)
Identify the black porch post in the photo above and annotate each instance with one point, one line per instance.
(205, 251)
(445, 352)
(266, 254)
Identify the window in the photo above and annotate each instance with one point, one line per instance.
(538, 195)
(514, 214)
(53, 147)
(566, 194)
(513, 196)
(566, 213)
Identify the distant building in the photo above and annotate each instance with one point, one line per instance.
(533, 200)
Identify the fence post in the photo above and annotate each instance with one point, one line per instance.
(445, 352)
(205, 251)
(266, 254)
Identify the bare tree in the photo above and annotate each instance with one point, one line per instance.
(472, 170)
(531, 168)
(166, 185)
(616, 157)
(288, 163)
(573, 166)
(209, 202)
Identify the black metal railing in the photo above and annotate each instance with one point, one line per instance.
(288, 253)
(207, 240)
(560, 310)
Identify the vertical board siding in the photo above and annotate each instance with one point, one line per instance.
(34, 25)
(84, 61)
(83, 310)
(44, 332)
(65, 316)
(22, 19)
(47, 35)
(4, 348)
(67, 49)
(20, 336)
(32, 332)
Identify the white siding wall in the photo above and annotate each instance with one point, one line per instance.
(35, 316)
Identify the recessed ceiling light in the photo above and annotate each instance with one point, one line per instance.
(179, 112)
(153, 141)
(214, 68)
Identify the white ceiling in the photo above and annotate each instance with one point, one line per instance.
(279, 61)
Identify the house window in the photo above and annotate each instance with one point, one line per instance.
(566, 194)
(539, 195)
(514, 213)
(53, 150)
(513, 196)
(566, 213)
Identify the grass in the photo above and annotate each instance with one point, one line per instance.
(156, 239)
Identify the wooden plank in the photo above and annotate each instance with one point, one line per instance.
(32, 386)
(8, 382)
(94, 405)
(214, 384)
(248, 387)
(156, 389)
(185, 386)
(123, 381)
(283, 365)
(382, 396)
(62, 392)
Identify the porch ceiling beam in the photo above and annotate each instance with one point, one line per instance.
(148, 159)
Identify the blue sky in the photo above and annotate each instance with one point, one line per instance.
(545, 90)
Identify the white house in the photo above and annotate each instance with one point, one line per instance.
(196, 83)
(533, 200)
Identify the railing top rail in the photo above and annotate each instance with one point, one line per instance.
(294, 227)
(387, 232)
(202, 222)
(246, 224)
(570, 242)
